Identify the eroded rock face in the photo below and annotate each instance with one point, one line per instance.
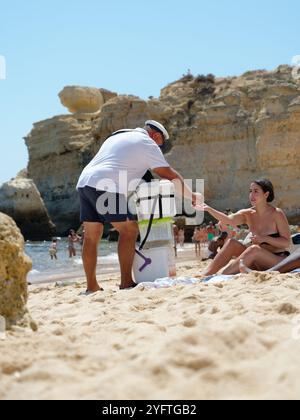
(14, 267)
(228, 131)
(247, 127)
(60, 148)
(20, 199)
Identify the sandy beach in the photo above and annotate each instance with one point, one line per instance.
(237, 340)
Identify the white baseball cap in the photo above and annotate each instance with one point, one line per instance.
(156, 125)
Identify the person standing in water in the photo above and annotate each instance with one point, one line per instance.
(72, 239)
(53, 250)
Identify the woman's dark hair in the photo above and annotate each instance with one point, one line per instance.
(266, 186)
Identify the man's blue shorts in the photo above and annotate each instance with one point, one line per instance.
(103, 207)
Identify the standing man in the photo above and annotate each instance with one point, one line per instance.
(125, 154)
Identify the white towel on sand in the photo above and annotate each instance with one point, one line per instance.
(170, 282)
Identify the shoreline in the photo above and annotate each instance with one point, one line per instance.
(184, 255)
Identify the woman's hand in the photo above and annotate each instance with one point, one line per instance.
(201, 207)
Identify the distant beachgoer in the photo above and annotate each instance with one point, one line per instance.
(197, 241)
(53, 249)
(216, 244)
(72, 239)
(270, 236)
(203, 239)
(210, 231)
(181, 237)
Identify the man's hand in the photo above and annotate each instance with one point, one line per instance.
(198, 201)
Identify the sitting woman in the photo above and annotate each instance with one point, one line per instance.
(269, 239)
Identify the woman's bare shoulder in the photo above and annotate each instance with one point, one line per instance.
(279, 213)
(247, 212)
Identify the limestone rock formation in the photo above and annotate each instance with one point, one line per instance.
(59, 149)
(14, 266)
(82, 100)
(227, 131)
(20, 199)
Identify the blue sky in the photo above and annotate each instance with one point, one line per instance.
(130, 46)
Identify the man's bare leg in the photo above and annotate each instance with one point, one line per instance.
(128, 236)
(92, 235)
(231, 249)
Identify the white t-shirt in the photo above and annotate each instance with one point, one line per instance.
(122, 161)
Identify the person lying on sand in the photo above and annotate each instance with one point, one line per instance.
(288, 265)
(269, 239)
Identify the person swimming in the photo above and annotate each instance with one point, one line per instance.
(263, 249)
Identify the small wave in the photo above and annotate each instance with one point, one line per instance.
(186, 247)
(108, 259)
(34, 272)
(78, 261)
(35, 245)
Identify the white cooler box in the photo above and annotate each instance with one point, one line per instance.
(152, 264)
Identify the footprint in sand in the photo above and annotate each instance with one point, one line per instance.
(191, 340)
(189, 323)
(195, 362)
(287, 309)
(192, 299)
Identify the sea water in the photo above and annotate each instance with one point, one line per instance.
(43, 266)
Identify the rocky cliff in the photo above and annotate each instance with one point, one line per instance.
(14, 266)
(20, 199)
(228, 131)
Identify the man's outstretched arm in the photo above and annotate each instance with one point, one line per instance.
(181, 188)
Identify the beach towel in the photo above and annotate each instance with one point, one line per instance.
(171, 282)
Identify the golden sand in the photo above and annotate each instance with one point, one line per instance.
(235, 340)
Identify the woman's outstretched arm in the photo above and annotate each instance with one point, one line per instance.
(235, 220)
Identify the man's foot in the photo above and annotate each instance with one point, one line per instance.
(131, 286)
(91, 292)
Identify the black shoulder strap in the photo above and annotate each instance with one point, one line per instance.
(150, 224)
(119, 132)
